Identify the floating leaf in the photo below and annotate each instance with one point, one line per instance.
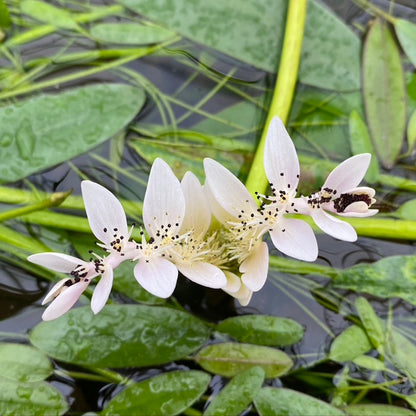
(48, 129)
(393, 276)
(121, 336)
(284, 402)
(262, 330)
(18, 398)
(47, 13)
(167, 394)
(236, 396)
(350, 344)
(229, 359)
(361, 143)
(369, 363)
(411, 131)
(406, 32)
(254, 34)
(384, 93)
(23, 363)
(372, 324)
(377, 410)
(130, 33)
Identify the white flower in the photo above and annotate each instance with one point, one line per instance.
(340, 195)
(173, 229)
(67, 291)
(237, 289)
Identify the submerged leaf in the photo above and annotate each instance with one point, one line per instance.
(48, 129)
(262, 330)
(167, 394)
(130, 33)
(121, 336)
(406, 32)
(384, 93)
(229, 359)
(236, 396)
(284, 402)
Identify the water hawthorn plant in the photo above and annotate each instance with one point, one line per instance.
(212, 234)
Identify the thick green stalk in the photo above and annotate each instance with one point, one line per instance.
(284, 89)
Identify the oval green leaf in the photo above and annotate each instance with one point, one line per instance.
(121, 336)
(262, 330)
(23, 363)
(164, 395)
(401, 352)
(407, 211)
(377, 410)
(370, 363)
(372, 324)
(411, 132)
(229, 359)
(406, 32)
(49, 129)
(40, 399)
(384, 93)
(130, 33)
(236, 396)
(350, 344)
(284, 402)
(361, 143)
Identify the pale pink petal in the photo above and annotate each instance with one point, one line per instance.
(64, 301)
(233, 283)
(334, 226)
(348, 174)
(102, 290)
(104, 211)
(361, 190)
(58, 262)
(197, 211)
(281, 162)
(295, 238)
(254, 269)
(217, 210)
(229, 192)
(54, 291)
(204, 274)
(164, 202)
(157, 275)
(358, 207)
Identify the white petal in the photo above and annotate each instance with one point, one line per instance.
(229, 192)
(58, 262)
(54, 291)
(197, 211)
(297, 240)
(104, 211)
(361, 190)
(368, 213)
(217, 210)
(102, 290)
(334, 226)
(348, 174)
(204, 274)
(64, 301)
(243, 295)
(164, 202)
(254, 269)
(358, 207)
(157, 275)
(233, 283)
(280, 157)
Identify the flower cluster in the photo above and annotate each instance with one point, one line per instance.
(180, 234)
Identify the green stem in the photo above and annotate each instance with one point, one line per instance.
(53, 201)
(374, 10)
(285, 265)
(284, 89)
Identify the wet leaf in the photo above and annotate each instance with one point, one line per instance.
(361, 143)
(370, 363)
(229, 359)
(5, 20)
(48, 13)
(167, 394)
(262, 330)
(236, 396)
(350, 344)
(411, 132)
(372, 324)
(407, 211)
(377, 410)
(48, 129)
(130, 33)
(23, 363)
(384, 93)
(121, 336)
(18, 398)
(254, 34)
(284, 402)
(406, 32)
(392, 276)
